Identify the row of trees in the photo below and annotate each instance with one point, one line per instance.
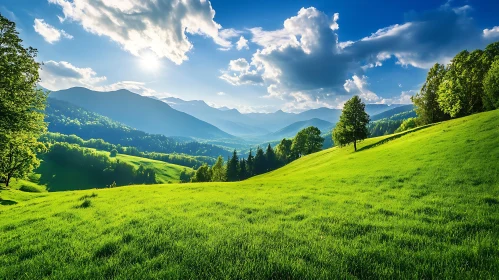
(99, 144)
(305, 142)
(99, 165)
(468, 85)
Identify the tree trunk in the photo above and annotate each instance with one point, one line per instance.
(7, 181)
(355, 145)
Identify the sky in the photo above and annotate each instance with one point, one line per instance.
(255, 56)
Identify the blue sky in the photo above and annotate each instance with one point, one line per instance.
(251, 55)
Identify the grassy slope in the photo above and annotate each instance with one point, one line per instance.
(424, 205)
(55, 177)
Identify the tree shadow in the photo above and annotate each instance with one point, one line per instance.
(393, 137)
(7, 202)
(57, 177)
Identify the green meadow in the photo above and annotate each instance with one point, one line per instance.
(416, 205)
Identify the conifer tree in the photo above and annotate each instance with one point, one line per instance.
(270, 158)
(233, 168)
(260, 163)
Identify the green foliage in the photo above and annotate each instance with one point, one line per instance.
(491, 86)
(259, 163)
(426, 101)
(99, 144)
(307, 141)
(352, 126)
(203, 174)
(407, 124)
(98, 165)
(185, 176)
(218, 171)
(271, 159)
(233, 169)
(424, 205)
(113, 153)
(21, 105)
(459, 89)
(284, 152)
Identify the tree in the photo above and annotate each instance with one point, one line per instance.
(21, 105)
(406, 125)
(270, 158)
(233, 168)
(218, 171)
(18, 156)
(491, 87)
(352, 126)
(113, 153)
(203, 174)
(450, 98)
(260, 163)
(426, 101)
(185, 176)
(284, 153)
(243, 173)
(307, 141)
(250, 164)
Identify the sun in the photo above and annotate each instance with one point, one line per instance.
(149, 61)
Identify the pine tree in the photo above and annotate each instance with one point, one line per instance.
(271, 159)
(233, 168)
(250, 164)
(243, 174)
(260, 163)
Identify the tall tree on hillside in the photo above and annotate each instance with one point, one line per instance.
(283, 152)
(218, 173)
(352, 126)
(491, 87)
(233, 168)
(426, 101)
(270, 158)
(250, 164)
(260, 163)
(307, 141)
(243, 170)
(21, 105)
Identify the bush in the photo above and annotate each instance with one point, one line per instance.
(31, 189)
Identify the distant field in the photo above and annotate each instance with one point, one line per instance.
(417, 205)
(56, 177)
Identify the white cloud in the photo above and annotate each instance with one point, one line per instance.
(63, 75)
(221, 93)
(306, 56)
(491, 33)
(48, 32)
(239, 73)
(358, 86)
(403, 98)
(160, 26)
(242, 44)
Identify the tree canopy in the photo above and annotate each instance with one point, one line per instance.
(21, 105)
(352, 126)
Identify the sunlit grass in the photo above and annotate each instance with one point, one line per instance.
(423, 205)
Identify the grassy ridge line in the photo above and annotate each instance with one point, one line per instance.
(425, 205)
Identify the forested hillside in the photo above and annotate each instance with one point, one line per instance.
(65, 118)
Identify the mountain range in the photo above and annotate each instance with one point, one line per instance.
(196, 120)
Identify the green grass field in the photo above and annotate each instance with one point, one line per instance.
(419, 205)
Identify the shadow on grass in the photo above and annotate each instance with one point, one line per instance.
(393, 137)
(7, 202)
(61, 178)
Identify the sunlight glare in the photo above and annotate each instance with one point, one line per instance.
(150, 62)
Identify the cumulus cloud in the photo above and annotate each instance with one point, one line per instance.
(239, 73)
(491, 33)
(242, 43)
(307, 56)
(48, 32)
(159, 26)
(62, 75)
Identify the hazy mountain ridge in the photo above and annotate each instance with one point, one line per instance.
(143, 113)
